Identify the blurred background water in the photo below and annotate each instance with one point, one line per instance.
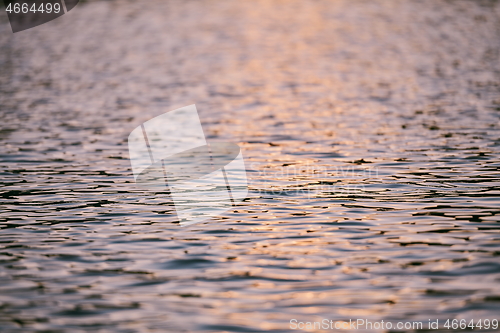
(370, 131)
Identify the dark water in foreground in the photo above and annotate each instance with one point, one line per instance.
(371, 134)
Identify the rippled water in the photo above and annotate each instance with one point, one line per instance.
(370, 131)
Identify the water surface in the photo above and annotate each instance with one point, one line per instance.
(370, 131)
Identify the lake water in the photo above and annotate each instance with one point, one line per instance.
(370, 131)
